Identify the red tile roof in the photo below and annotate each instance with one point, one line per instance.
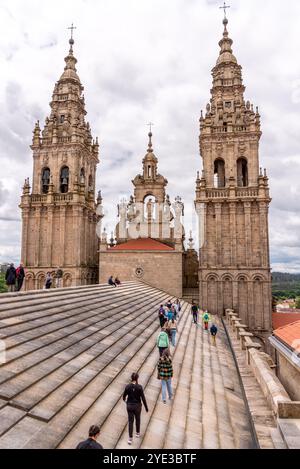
(290, 335)
(283, 319)
(142, 244)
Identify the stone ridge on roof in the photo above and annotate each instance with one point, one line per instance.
(142, 244)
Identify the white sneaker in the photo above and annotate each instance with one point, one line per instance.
(137, 435)
(129, 441)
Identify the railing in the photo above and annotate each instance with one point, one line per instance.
(38, 198)
(247, 192)
(217, 193)
(63, 198)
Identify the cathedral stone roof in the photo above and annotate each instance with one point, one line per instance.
(142, 244)
(289, 334)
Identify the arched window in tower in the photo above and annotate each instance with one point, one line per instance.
(64, 180)
(242, 172)
(149, 171)
(82, 176)
(219, 173)
(45, 180)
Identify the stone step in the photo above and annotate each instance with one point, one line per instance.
(156, 430)
(21, 297)
(27, 309)
(60, 329)
(237, 414)
(99, 395)
(111, 406)
(153, 388)
(75, 376)
(175, 434)
(49, 358)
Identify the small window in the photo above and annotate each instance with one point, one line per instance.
(228, 104)
(149, 171)
(219, 173)
(82, 176)
(62, 119)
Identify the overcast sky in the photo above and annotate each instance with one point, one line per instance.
(142, 60)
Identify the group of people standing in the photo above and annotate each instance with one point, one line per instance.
(133, 395)
(14, 277)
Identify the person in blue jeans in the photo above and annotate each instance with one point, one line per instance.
(165, 374)
(172, 328)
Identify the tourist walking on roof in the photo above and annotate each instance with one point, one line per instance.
(117, 281)
(177, 307)
(213, 332)
(10, 278)
(91, 442)
(165, 374)
(206, 319)
(134, 396)
(20, 274)
(162, 341)
(194, 312)
(161, 316)
(172, 328)
(169, 304)
(58, 275)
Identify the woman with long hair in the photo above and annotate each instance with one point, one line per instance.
(135, 396)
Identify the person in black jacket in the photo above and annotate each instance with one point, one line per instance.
(135, 396)
(91, 442)
(20, 273)
(11, 277)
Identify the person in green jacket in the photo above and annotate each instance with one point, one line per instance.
(162, 341)
(206, 319)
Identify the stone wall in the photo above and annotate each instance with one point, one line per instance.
(160, 269)
(290, 377)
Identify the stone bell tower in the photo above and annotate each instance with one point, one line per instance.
(232, 201)
(59, 214)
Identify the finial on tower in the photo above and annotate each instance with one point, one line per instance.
(71, 41)
(150, 149)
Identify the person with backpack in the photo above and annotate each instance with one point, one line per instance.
(161, 316)
(91, 442)
(206, 319)
(162, 341)
(20, 274)
(170, 314)
(165, 374)
(194, 312)
(213, 332)
(10, 277)
(134, 396)
(172, 329)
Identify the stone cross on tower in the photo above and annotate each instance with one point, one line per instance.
(72, 27)
(224, 7)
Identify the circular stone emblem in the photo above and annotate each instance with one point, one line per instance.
(139, 272)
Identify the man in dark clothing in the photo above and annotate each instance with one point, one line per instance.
(111, 281)
(161, 316)
(213, 332)
(59, 275)
(194, 312)
(135, 396)
(20, 273)
(10, 278)
(91, 442)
